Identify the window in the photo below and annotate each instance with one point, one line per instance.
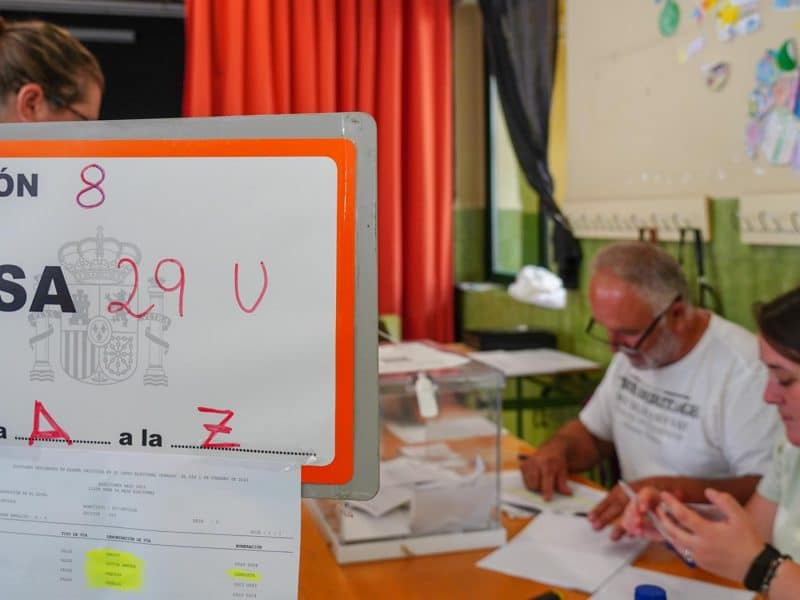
(512, 207)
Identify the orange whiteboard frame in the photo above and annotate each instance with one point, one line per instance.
(343, 153)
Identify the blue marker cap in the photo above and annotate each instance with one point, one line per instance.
(649, 592)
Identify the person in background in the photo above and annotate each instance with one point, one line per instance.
(679, 401)
(735, 546)
(46, 75)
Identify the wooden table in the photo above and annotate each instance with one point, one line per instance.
(439, 576)
(444, 575)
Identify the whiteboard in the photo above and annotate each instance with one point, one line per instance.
(199, 294)
(642, 123)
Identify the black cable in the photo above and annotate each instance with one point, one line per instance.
(704, 288)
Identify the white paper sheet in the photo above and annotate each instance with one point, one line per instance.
(623, 584)
(583, 499)
(439, 454)
(415, 356)
(419, 497)
(402, 471)
(457, 428)
(541, 361)
(432, 430)
(563, 551)
(515, 512)
(102, 525)
(387, 499)
(358, 526)
(453, 479)
(454, 505)
(431, 452)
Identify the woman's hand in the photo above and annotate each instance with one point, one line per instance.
(726, 547)
(635, 521)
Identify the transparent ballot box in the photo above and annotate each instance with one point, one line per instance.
(440, 456)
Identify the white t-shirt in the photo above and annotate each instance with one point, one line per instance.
(702, 416)
(781, 485)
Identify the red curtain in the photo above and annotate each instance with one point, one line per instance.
(389, 58)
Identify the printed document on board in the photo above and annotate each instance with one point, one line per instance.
(78, 525)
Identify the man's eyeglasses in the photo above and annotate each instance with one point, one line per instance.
(601, 334)
(62, 104)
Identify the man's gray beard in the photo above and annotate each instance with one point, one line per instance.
(662, 353)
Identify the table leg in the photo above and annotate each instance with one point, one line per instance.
(520, 424)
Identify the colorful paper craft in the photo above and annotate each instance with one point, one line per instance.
(780, 137)
(717, 75)
(669, 19)
(760, 101)
(784, 92)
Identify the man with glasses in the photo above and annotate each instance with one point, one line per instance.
(680, 401)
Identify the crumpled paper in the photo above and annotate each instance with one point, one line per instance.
(537, 285)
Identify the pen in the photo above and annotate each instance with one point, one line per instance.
(655, 522)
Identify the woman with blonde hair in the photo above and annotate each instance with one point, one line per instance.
(46, 74)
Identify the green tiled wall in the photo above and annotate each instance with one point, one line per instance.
(518, 242)
(741, 274)
(470, 241)
(518, 238)
(469, 238)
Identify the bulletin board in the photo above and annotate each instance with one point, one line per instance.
(642, 123)
(194, 286)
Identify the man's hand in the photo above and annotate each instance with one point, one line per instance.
(609, 509)
(545, 471)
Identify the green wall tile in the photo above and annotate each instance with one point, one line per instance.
(469, 244)
(518, 242)
(741, 274)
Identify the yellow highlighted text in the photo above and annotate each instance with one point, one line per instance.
(247, 575)
(112, 569)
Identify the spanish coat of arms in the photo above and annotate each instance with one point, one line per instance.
(98, 345)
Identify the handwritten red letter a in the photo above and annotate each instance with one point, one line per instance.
(56, 431)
